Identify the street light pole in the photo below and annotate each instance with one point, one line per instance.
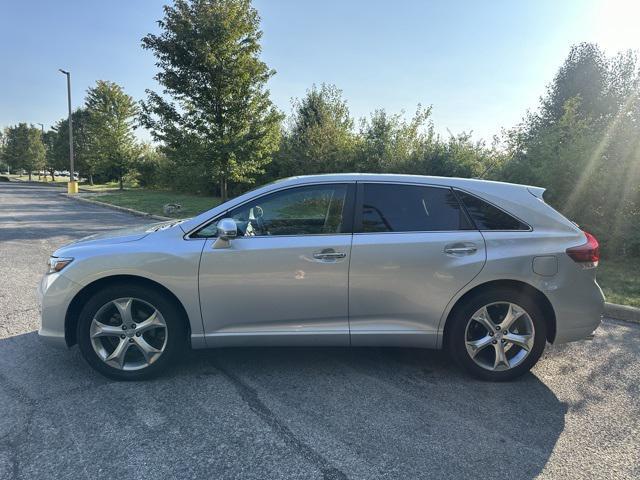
(72, 186)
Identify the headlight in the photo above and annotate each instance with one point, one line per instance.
(56, 264)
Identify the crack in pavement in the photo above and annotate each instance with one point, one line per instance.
(252, 399)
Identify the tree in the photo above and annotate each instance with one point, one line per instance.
(583, 145)
(585, 74)
(391, 144)
(34, 156)
(84, 162)
(152, 167)
(3, 141)
(319, 137)
(50, 160)
(15, 145)
(24, 148)
(111, 116)
(214, 90)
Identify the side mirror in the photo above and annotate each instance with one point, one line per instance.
(226, 230)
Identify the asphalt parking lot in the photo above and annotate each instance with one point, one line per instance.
(293, 413)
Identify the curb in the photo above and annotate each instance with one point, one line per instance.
(622, 312)
(138, 213)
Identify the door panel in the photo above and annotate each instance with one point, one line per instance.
(416, 248)
(284, 280)
(400, 283)
(276, 290)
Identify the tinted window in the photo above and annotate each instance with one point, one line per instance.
(312, 210)
(410, 208)
(488, 217)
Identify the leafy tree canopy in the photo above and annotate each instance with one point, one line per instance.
(319, 137)
(111, 115)
(58, 144)
(24, 148)
(583, 145)
(214, 89)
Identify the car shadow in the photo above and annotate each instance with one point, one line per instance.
(267, 412)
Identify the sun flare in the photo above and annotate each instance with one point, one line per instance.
(617, 24)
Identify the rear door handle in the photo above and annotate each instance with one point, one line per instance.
(460, 249)
(329, 254)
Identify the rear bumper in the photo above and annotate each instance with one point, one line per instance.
(571, 335)
(578, 310)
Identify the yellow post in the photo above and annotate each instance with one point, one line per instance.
(72, 187)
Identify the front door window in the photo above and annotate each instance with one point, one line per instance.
(312, 210)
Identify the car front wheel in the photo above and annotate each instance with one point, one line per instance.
(130, 332)
(497, 335)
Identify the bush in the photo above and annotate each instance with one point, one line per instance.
(150, 169)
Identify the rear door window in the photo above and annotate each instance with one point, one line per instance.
(388, 207)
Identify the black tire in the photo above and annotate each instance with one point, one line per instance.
(173, 318)
(456, 333)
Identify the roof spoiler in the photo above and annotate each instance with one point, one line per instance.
(537, 192)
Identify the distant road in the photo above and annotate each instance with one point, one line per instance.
(293, 413)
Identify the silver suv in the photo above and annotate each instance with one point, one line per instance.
(484, 269)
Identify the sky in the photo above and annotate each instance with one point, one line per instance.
(481, 65)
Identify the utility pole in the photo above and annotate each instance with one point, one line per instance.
(72, 186)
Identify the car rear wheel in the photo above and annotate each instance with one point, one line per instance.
(130, 332)
(497, 335)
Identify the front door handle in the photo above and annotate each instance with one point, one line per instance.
(460, 249)
(328, 254)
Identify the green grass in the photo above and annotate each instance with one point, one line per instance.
(620, 280)
(152, 201)
(106, 187)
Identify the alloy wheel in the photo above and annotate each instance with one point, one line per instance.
(499, 336)
(128, 333)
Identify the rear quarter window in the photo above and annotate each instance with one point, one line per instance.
(487, 216)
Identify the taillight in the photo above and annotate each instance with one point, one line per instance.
(588, 254)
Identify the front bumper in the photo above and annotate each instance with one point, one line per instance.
(54, 294)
